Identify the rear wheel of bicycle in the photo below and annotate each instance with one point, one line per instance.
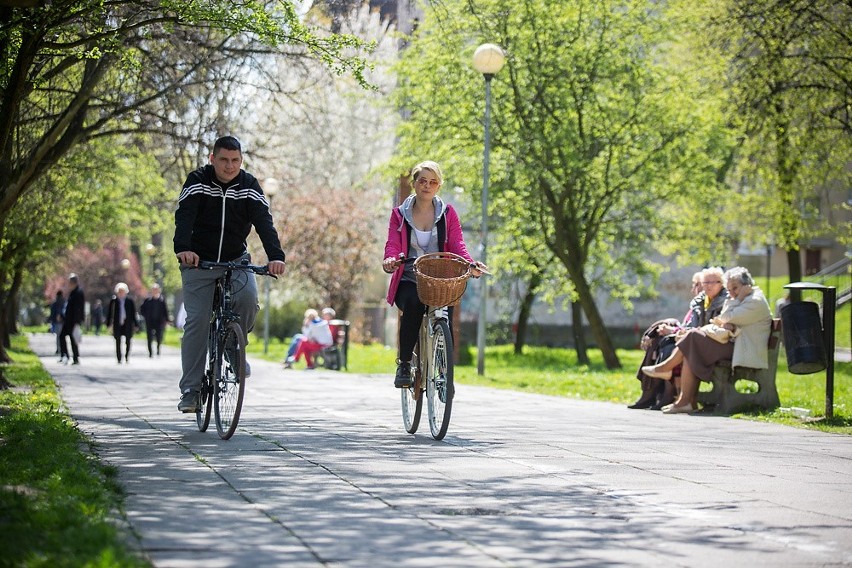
(412, 398)
(202, 415)
(439, 383)
(230, 384)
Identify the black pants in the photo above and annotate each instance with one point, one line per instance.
(67, 331)
(155, 333)
(412, 316)
(126, 346)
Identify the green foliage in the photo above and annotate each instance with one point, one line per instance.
(97, 191)
(284, 321)
(57, 503)
(594, 131)
(785, 76)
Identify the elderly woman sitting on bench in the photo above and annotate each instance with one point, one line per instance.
(746, 315)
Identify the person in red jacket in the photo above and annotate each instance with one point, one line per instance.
(422, 224)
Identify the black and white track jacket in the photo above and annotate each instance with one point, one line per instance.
(214, 221)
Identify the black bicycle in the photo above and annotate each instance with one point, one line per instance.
(224, 383)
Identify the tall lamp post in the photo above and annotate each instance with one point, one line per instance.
(488, 59)
(270, 188)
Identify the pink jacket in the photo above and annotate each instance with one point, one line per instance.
(398, 238)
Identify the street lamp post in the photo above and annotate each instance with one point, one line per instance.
(488, 59)
(270, 188)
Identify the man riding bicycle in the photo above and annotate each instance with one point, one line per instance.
(217, 207)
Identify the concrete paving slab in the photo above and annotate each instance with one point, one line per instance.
(321, 473)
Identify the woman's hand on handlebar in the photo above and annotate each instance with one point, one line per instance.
(276, 267)
(188, 257)
(391, 263)
(477, 269)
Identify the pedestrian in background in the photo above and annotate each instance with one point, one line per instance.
(55, 317)
(122, 319)
(98, 316)
(156, 315)
(75, 315)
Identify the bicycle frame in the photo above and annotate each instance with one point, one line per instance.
(224, 376)
(427, 337)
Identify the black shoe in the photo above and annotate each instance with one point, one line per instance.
(403, 376)
(190, 401)
(647, 400)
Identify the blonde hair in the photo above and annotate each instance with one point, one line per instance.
(311, 313)
(427, 165)
(713, 271)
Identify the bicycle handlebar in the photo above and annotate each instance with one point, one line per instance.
(210, 265)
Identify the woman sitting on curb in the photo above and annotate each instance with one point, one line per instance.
(746, 313)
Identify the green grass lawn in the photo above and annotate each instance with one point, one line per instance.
(554, 371)
(57, 501)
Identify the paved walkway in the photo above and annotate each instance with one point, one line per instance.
(321, 473)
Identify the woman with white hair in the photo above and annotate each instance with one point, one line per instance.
(122, 319)
(746, 315)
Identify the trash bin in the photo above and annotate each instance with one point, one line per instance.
(803, 338)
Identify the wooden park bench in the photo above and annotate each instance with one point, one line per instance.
(726, 399)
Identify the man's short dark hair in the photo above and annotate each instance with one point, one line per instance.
(227, 143)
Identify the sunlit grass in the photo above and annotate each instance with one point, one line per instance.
(56, 502)
(554, 371)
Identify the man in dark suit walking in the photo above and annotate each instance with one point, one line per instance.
(156, 315)
(75, 314)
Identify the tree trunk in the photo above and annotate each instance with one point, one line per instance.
(4, 383)
(593, 316)
(4, 335)
(524, 312)
(791, 221)
(579, 335)
(794, 267)
(13, 302)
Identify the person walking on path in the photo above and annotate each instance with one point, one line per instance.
(75, 314)
(98, 316)
(55, 317)
(122, 320)
(217, 207)
(156, 314)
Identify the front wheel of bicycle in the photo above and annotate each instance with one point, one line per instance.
(439, 383)
(230, 383)
(202, 415)
(412, 398)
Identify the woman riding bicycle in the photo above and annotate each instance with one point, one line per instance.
(422, 224)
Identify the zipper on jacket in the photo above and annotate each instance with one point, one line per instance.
(222, 227)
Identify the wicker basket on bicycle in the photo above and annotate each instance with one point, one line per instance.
(441, 278)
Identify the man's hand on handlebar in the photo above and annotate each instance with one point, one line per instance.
(276, 267)
(188, 257)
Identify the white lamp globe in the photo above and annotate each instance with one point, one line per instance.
(270, 186)
(488, 58)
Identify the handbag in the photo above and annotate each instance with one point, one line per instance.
(717, 333)
(77, 333)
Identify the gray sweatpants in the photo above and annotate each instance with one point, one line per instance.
(198, 301)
